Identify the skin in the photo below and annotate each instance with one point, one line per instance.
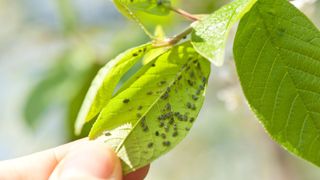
(82, 159)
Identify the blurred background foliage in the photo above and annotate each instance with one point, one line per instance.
(51, 49)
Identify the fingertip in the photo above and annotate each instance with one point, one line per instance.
(89, 159)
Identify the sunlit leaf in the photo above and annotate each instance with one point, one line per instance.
(277, 53)
(104, 84)
(211, 32)
(155, 111)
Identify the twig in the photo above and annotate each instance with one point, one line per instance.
(184, 14)
(174, 40)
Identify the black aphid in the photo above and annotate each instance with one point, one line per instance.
(126, 101)
(168, 115)
(168, 89)
(166, 143)
(201, 87)
(191, 119)
(161, 124)
(175, 127)
(157, 133)
(153, 65)
(135, 54)
(204, 79)
(149, 93)
(140, 107)
(138, 115)
(162, 83)
(194, 97)
(163, 135)
(165, 96)
(107, 134)
(179, 78)
(190, 82)
(146, 129)
(189, 105)
(171, 121)
(198, 66)
(162, 117)
(175, 134)
(193, 107)
(150, 145)
(168, 107)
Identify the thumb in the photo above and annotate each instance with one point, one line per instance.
(89, 160)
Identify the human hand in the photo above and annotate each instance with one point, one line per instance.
(82, 159)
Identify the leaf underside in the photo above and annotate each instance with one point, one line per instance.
(104, 84)
(277, 54)
(211, 32)
(155, 112)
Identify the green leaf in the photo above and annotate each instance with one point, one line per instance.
(155, 112)
(156, 7)
(104, 84)
(211, 32)
(277, 53)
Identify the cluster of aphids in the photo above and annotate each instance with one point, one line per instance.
(169, 119)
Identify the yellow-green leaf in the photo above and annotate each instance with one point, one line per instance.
(154, 113)
(103, 85)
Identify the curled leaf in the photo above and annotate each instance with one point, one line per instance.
(104, 84)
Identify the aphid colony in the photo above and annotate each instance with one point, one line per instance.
(173, 118)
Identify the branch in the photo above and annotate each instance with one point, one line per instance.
(184, 14)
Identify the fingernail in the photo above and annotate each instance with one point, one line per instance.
(92, 159)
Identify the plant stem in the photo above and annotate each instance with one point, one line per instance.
(174, 40)
(184, 14)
